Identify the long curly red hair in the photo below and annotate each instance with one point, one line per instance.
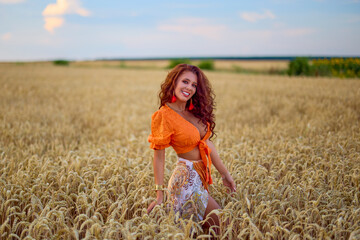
(203, 99)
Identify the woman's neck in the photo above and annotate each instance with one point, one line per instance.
(178, 106)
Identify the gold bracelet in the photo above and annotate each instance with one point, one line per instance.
(159, 187)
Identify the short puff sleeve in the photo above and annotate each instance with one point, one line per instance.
(161, 131)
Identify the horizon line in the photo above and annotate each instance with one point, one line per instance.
(254, 57)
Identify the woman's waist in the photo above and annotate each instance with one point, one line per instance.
(198, 163)
(180, 159)
(192, 155)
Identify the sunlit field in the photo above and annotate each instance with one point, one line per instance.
(75, 162)
(261, 65)
(222, 65)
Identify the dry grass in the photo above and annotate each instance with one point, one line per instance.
(227, 65)
(257, 65)
(124, 63)
(75, 162)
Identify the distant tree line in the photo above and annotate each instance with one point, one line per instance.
(207, 64)
(332, 67)
(61, 62)
(300, 66)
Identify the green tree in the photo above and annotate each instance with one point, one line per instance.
(61, 62)
(174, 62)
(299, 66)
(206, 65)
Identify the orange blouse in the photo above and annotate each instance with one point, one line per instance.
(168, 128)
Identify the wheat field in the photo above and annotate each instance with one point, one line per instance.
(221, 65)
(75, 162)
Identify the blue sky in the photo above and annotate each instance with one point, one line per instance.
(91, 29)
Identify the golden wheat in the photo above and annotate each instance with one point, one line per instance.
(75, 162)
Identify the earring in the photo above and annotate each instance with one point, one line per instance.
(173, 99)
(191, 105)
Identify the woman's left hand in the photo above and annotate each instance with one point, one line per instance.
(229, 182)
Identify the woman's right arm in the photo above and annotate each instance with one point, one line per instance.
(159, 165)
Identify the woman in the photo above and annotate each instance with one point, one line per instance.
(185, 121)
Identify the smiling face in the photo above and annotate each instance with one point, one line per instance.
(185, 86)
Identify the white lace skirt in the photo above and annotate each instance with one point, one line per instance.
(186, 191)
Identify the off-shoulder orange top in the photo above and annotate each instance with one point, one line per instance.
(168, 128)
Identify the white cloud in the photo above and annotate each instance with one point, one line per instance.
(62, 7)
(11, 1)
(254, 16)
(53, 13)
(193, 26)
(184, 37)
(53, 22)
(6, 36)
